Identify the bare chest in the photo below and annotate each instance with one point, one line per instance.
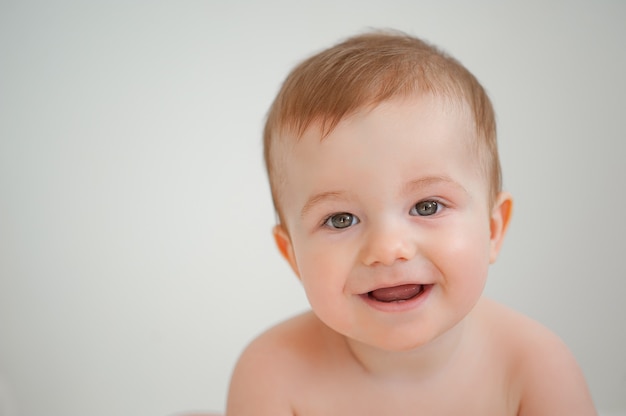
(478, 394)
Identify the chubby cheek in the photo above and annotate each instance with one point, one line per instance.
(463, 259)
(325, 259)
(323, 272)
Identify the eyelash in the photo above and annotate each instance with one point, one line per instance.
(438, 207)
(328, 221)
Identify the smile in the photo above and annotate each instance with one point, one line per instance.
(400, 293)
(397, 298)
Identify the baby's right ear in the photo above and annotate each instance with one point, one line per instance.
(283, 242)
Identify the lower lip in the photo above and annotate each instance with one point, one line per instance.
(399, 306)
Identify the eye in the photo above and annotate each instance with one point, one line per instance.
(426, 208)
(341, 220)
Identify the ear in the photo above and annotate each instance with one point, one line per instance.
(499, 223)
(283, 242)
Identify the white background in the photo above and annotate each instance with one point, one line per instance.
(136, 259)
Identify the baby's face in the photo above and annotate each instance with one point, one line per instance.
(389, 223)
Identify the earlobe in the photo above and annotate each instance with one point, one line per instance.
(499, 223)
(283, 242)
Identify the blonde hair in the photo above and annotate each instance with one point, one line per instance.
(366, 70)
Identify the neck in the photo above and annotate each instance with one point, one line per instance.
(421, 363)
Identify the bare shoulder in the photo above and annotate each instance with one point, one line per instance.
(549, 379)
(272, 367)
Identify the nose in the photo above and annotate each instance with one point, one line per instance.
(387, 244)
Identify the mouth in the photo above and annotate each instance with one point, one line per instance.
(400, 293)
(397, 298)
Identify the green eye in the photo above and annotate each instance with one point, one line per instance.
(341, 220)
(425, 208)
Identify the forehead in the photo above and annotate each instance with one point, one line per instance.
(414, 109)
(285, 139)
(417, 124)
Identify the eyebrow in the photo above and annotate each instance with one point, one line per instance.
(321, 197)
(432, 180)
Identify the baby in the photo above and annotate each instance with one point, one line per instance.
(383, 164)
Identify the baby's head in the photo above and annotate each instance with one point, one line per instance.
(362, 72)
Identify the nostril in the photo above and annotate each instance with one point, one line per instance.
(387, 240)
(388, 254)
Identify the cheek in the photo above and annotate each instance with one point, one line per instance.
(324, 274)
(323, 269)
(463, 254)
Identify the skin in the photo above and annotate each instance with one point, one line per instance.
(421, 217)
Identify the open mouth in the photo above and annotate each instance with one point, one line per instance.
(399, 294)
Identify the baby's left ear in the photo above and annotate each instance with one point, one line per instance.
(499, 222)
